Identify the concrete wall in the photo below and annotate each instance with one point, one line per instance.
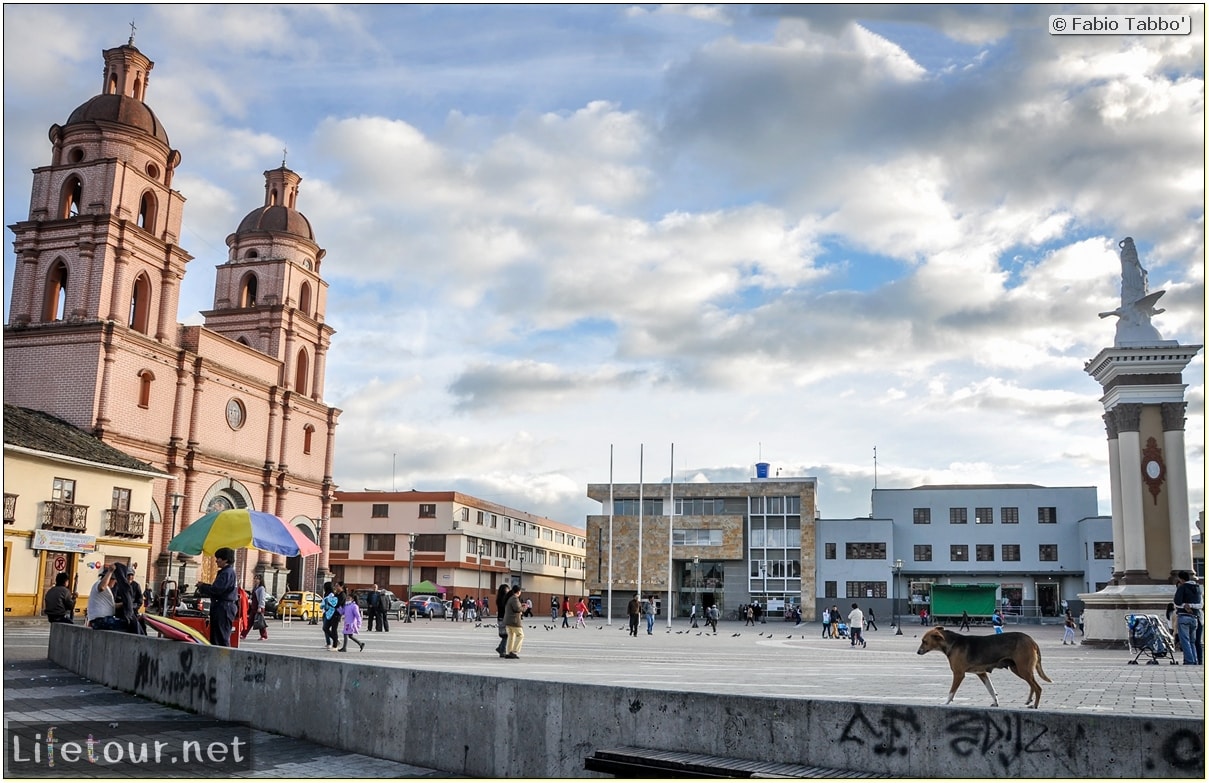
(533, 728)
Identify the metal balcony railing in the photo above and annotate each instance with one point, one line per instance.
(64, 516)
(124, 524)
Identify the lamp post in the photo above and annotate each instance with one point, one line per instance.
(318, 563)
(696, 590)
(411, 555)
(481, 551)
(898, 569)
(764, 576)
(177, 499)
(521, 557)
(565, 582)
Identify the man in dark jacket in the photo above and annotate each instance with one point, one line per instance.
(224, 598)
(60, 603)
(1188, 606)
(633, 608)
(372, 599)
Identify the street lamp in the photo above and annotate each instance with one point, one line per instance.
(764, 576)
(177, 499)
(411, 555)
(481, 551)
(565, 582)
(521, 557)
(898, 569)
(696, 590)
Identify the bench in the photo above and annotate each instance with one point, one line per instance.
(627, 762)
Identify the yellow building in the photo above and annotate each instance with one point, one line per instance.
(71, 503)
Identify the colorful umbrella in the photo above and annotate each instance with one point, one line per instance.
(241, 528)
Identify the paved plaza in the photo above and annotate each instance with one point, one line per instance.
(774, 659)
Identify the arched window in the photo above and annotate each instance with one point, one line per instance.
(147, 212)
(273, 197)
(308, 432)
(140, 304)
(243, 341)
(247, 293)
(145, 379)
(301, 371)
(71, 198)
(112, 87)
(304, 298)
(138, 88)
(54, 308)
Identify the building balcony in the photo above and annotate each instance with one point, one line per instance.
(124, 524)
(64, 516)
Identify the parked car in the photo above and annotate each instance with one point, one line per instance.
(428, 606)
(396, 606)
(303, 604)
(270, 606)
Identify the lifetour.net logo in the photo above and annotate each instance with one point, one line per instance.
(126, 749)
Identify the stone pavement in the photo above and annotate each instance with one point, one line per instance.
(775, 659)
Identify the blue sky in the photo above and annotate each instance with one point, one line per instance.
(793, 233)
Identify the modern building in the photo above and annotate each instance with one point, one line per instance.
(460, 543)
(736, 543)
(231, 411)
(724, 544)
(1035, 546)
(71, 504)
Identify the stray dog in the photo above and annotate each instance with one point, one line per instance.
(981, 654)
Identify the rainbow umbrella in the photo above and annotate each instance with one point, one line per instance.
(241, 528)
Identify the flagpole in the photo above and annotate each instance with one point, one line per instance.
(638, 586)
(609, 616)
(671, 517)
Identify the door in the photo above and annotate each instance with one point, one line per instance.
(1047, 599)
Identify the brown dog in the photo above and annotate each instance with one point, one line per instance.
(982, 654)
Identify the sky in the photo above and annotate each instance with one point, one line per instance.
(866, 244)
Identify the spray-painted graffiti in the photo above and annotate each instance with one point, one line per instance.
(177, 681)
(1006, 736)
(889, 736)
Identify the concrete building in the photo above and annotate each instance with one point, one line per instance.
(464, 544)
(737, 543)
(724, 544)
(71, 504)
(1037, 546)
(231, 411)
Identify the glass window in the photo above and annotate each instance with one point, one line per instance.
(1047, 553)
(957, 516)
(865, 551)
(338, 541)
(865, 590)
(337, 511)
(1102, 550)
(984, 552)
(829, 551)
(1047, 515)
(959, 552)
(921, 516)
(984, 516)
(1009, 515)
(1010, 553)
(428, 511)
(380, 510)
(923, 553)
(379, 542)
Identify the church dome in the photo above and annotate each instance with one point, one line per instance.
(277, 219)
(122, 110)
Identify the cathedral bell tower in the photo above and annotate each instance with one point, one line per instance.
(269, 294)
(100, 243)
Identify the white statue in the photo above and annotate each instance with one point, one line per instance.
(1137, 303)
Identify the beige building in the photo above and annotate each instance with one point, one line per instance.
(231, 411)
(71, 504)
(464, 544)
(729, 544)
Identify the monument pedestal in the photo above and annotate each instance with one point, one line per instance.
(1105, 611)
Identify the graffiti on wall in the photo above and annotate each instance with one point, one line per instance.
(171, 682)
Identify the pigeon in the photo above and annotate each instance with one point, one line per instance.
(733, 635)
(700, 632)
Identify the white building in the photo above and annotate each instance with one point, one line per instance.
(1037, 546)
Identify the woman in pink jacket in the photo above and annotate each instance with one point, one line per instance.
(352, 621)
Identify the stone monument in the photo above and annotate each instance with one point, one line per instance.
(1144, 417)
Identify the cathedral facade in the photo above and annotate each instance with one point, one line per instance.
(231, 410)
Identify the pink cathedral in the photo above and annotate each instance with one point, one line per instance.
(233, 410)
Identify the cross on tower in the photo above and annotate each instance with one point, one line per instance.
(132, 29)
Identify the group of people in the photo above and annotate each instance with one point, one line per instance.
(579, 611)
(832, 619)
(340, 613)
(114, 601)
(1187, 608)
(644, 607)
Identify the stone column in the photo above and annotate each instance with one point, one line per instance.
(1177, 485)
(1114, 480)
(1129, 421)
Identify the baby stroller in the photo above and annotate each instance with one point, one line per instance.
(1148, 636)
(843, 629)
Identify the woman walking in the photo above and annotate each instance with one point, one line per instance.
(501, 606)
(581, 609)
(513, 612)
(331, 618)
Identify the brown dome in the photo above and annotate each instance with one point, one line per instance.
(120, 109)
(277, 219)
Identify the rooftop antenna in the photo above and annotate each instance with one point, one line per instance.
(875, 467)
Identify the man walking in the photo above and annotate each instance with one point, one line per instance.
(383, 607)
(371, 609)
(632, 609)
(648, 609)
(856, 626)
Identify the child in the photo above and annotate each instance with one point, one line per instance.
(352, 622)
